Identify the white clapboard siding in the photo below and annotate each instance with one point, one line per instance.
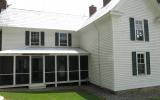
(13, 38)
(123, 46)
(100, 64)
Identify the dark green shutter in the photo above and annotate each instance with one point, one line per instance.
(42, 38)
(0, 40)
(148, 63)
(69, 39)
(134, 64)
(27, 38)
(146, 30)
(132, 29)
(57, 39)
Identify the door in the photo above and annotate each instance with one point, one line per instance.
(37, 69)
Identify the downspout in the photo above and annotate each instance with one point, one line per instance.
(98, 52)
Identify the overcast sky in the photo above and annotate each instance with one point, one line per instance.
(77, 7)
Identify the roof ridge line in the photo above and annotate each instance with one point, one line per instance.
(46, 11)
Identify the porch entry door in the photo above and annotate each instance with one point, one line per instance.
(37, 69)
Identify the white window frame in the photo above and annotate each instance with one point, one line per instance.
(144, 53)
(138, 19)
(30, 39)
(59, 44)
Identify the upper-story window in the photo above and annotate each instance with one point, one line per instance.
(63, 39)
(34, 38)
(139, 30)
(158, 1)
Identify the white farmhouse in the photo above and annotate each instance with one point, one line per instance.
(116, 48)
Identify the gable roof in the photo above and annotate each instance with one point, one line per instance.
(12, 17)
(101, 12)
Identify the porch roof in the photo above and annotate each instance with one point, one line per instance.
(40, 50)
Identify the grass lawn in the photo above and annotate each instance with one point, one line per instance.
(50, 95)
(156, 99)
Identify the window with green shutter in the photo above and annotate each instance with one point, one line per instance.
(139, 29)
(63, 39)
(34, 38)
(141, 63)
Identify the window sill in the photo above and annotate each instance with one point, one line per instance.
(142, 75)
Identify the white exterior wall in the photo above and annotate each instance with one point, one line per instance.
(101, 58)
(14, 38)
(123, 46)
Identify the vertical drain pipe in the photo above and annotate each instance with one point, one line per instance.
(98, 51)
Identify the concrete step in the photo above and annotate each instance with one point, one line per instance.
(37, 86)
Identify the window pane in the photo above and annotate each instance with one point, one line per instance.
(84, 75)
(35, 38)
(141, 69)
(73, 63)
(139, 30)
(22, 78)
(63, 39)
(139, 55)
(61, 76)
(50, 77)
(61, 63)
(6, 79)
(142, 60)
(6, 65)
(74, 75)
(37, 69)
(49, 63)
(22, 64)
(84, 62)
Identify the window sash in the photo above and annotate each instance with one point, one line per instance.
(139, 30)
(35, 38)
(141, 63)
(63, 39)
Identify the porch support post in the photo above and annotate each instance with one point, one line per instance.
(14, 70)
(67, 68)
(44, 77)
(55, 71)
(30, 70)
(79, 69)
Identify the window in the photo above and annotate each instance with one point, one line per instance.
(84, 67)
(0, 40)
(63, 39)
(6, 70)
(22, 69)
(34, 38)
(50, 68)
(61, 68)
(158, 1)
(141, 63)
(73, 68)
(139, 30)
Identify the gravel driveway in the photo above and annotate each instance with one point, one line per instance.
(140, 94)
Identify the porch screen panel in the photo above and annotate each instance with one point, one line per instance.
(6, 70)
(84, 67)
(61, 68)
(22, 70)
(50, 68)
(73, 68)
